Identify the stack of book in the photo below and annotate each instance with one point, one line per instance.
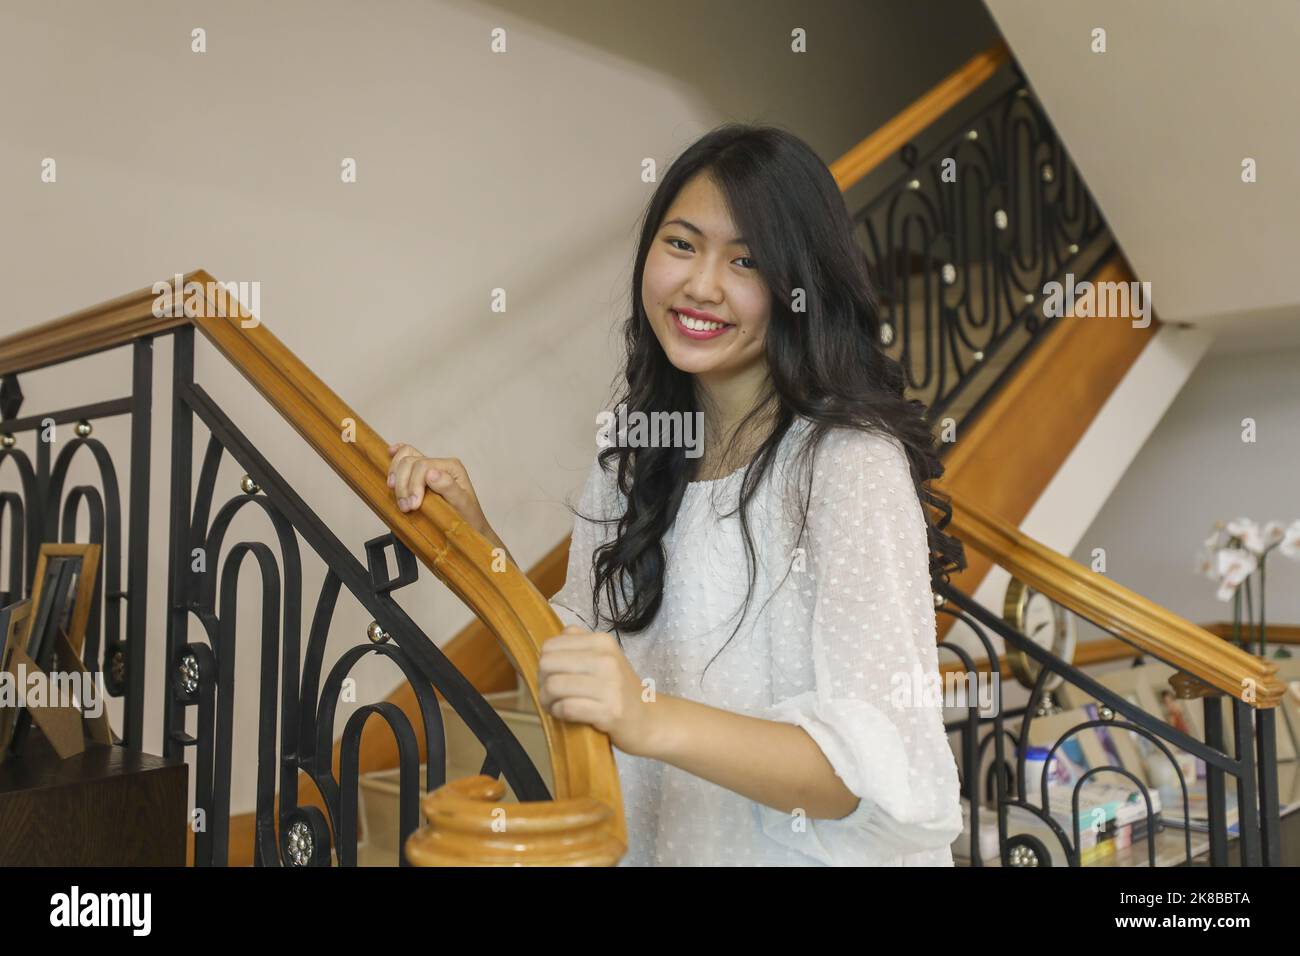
(1198, 811)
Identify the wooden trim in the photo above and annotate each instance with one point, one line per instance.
(1126, 614)
(1273, 633)
(885, 142)
(99, 327)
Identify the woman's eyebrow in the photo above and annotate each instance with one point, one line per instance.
(737, 241)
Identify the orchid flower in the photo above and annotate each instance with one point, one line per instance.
(1290, 545)
(1234, 565)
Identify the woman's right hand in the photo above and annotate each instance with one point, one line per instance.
(411, 472)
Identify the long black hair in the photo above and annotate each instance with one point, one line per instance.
(824, 363)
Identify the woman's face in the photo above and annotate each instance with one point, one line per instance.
(698, 269)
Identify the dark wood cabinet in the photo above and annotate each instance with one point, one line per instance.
(107, 806)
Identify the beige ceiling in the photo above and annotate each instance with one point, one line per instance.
(1160, 123)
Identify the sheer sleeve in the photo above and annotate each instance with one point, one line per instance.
(872, 641)
(573, 601)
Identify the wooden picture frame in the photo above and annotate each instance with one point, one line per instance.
(77, 615)
(13, 629)
(62, 593)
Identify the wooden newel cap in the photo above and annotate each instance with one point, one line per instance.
(470, 825)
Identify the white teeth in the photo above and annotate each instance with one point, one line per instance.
(698, 325)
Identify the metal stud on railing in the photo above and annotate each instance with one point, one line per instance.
(914, 184)
(84, 429)
(189, 673)
(972, 135)
(978, 356)
(1074, 248)
(886, 334)
(117, 667)
(376, 633)
(7, 440)
(1023, 856)
(949, 273)
(299, 845)
(1048, 173)
(1000, 218)
(249, 486)
(1029, 298)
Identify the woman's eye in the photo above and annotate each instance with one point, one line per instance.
(686, 247)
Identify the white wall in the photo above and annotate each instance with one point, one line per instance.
(476, 171)
(1194, 470)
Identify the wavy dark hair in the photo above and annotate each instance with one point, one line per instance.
(824, 364)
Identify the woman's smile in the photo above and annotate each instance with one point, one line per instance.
(697, 328)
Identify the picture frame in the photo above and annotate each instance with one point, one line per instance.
(13, 628)
(62, 594)
(81, 564)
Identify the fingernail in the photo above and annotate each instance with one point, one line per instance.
(392, 479)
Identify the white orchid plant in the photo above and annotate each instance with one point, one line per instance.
(1235, 552)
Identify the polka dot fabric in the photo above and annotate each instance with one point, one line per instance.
(838, 633)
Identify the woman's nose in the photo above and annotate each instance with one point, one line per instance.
(703, 285)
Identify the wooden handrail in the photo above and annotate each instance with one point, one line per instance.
(99, 327)
(1275, 633)
(1126, 614)
(586, 817)
(1107, 650)
(885, 142)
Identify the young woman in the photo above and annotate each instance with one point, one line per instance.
(750, 625)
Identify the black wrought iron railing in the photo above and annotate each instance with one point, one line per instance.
(203, 675)
(993, 742)
(298, 698)
(43, 510)
(961, 241)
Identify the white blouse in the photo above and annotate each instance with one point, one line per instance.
(837, 650)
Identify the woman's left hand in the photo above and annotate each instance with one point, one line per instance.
(583, 676)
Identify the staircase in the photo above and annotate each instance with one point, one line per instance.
(1013, 392)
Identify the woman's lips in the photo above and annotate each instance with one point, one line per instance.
(693, 333)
